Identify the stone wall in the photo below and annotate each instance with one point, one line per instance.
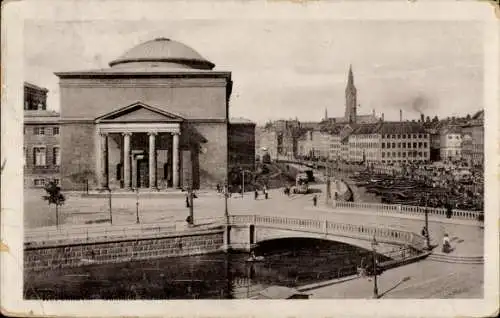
(48, 256)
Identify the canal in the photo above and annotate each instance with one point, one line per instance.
(287, 262)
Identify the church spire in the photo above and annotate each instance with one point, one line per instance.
(326, 113)
(350, 98)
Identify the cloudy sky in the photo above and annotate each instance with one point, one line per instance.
(290, 68)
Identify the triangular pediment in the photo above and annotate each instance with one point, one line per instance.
(138, 112)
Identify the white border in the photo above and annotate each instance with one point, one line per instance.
(14, 13)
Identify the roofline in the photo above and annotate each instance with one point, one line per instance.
(102, 118)
(31, 85)
(143, 74)
(192, 62)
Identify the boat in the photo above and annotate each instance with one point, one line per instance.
(252, 259)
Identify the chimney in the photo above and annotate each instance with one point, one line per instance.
(422, 117)
(382, 117)
(400, 115)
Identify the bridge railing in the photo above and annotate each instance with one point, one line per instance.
(364, 232)
(409, 210)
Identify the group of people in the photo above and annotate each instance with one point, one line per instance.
(264, 192)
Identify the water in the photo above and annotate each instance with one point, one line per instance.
(287, 262)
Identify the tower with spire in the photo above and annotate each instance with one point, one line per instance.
(350, 98)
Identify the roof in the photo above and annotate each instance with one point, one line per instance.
(279, 292)
(451, 130)
(41, 116)
(163, 51)
(401, 127)
(479, 115)
(366, 129)
(33, 86)
(241, 120)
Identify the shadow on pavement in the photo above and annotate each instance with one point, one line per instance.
(405, 279)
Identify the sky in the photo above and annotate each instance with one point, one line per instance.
(284, 69)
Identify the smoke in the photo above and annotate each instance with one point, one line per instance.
(420, 103)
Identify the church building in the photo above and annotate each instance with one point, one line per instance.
(157, 118)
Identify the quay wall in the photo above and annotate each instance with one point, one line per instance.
(74, 254)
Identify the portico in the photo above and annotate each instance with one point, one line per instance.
(138, 134)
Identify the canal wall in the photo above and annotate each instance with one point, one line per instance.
(49, 255)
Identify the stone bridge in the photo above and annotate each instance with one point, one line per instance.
(244, 231)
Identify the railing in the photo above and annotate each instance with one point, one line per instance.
(409, 209)
(363, 232)
(82, 233)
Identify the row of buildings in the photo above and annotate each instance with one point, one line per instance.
(157, 118)
(370, 139)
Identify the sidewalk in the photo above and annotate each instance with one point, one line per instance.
(425, 279)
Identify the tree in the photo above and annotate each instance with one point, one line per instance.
(427, 119)
(435, 119)
(54, 196)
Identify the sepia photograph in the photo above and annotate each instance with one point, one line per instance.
(194, 155)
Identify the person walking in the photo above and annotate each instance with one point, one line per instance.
(255, 194)
(315, 200)
(187, 200)
(446, 244)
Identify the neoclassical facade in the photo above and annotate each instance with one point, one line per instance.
(156, 118)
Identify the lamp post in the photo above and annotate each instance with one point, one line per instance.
(243, 183)
(427, 236)
(374, 253)
(226, 194)
(137, 205)
(110, 208)
(191, 207)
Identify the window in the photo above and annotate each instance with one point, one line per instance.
(404, 145)
(399, 145)
(56, 156)
(39, 182)
(425, 145)
(55, 131)
(388, 145)
(409, 145)
(404, 155)
(39, 130)
(419, 135)
(419, 145)
(393, 145)
(404, 136)
(399, 154)
(39, 156)
(414, 145)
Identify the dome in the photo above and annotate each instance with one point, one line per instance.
(162, 52)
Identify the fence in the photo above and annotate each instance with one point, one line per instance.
(79, 233)
(410, 210)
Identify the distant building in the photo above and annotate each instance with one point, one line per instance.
(473, 140)
(388, 142)
(241, 139)
(41, 150)
(451, 143)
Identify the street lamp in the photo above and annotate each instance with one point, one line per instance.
(110, 207)
(374, 253)
(137, 205)
(243, 183)
(226, 194)
(427, 236)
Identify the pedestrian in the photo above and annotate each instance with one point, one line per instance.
(256, 194)
(446, 244)
(266, 194)
(424, 231)
(315, 200)
(218, 188)
(187, 200)
(449, 210)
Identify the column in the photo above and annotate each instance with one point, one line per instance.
(152, 160)
(104, 161)
(126, 160)
(175, 160)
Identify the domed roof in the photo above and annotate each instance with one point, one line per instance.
(164, 52)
